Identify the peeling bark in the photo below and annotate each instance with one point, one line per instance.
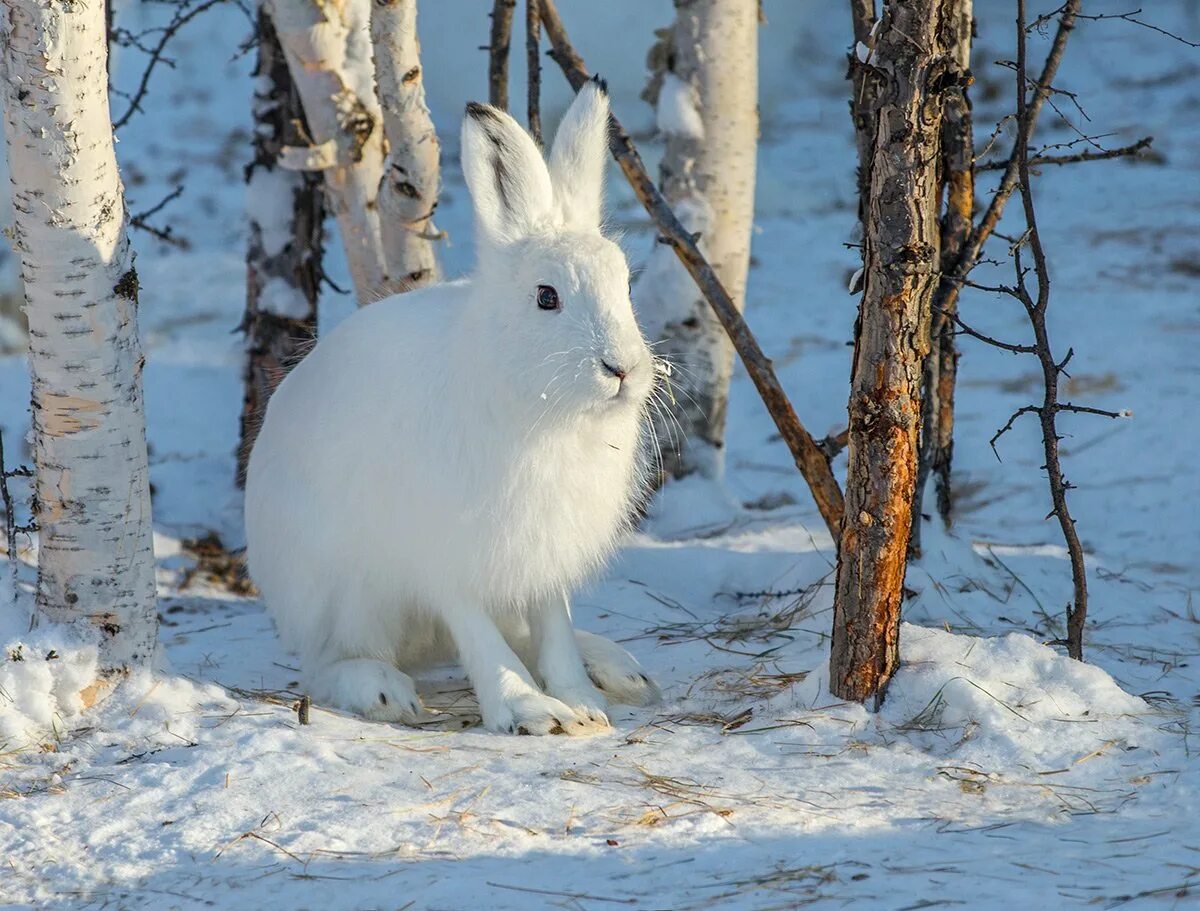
(285, 211)
(96, 562)
(901, 241)
(328, 50)
(408, 193)
(707, 98)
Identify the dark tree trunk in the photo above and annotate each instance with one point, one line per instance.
(958, 183)
(283, 260)
(901, 245)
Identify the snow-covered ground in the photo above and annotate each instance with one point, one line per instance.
(998, 774)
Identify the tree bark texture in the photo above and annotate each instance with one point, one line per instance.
(96, 560)
(533, 69)
(707, 102)
(865, 87)
(958, 183)
(901, 240)
(328, 50)
(408, 194)
(285, 211)
(498, 50)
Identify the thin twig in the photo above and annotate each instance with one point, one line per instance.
(994, 342)
(808, 457)
(183, 15)
(949, 291)
(1104, 155)
(141, 221)
(1128, 17)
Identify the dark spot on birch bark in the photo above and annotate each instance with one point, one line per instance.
(127, 287)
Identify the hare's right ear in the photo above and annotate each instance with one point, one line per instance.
(506, 175)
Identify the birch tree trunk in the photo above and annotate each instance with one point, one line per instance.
(706, 90)
(96, 562)
(328, 50)
(901, 239)
(286, 212)
(409, 192)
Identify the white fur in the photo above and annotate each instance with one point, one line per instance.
(445, 467)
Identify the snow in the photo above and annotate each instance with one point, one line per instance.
(677, 112)
(998, 773)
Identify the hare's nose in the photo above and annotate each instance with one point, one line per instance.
(615, 371)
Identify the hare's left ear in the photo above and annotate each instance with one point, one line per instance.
(578, 156)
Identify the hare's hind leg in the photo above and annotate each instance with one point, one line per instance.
(368, 687)
(616, 672)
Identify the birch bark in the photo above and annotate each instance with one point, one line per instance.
(408, 193)
(96, 561)
(707, 103)
(328, 49)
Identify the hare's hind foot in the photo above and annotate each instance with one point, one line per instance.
(615, 672)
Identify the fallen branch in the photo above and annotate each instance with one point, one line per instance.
(811, 462)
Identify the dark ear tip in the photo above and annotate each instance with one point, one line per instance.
(477, 111)
(601, 84)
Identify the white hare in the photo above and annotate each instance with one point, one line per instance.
(441, 471)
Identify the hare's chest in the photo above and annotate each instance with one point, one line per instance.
(561, 517)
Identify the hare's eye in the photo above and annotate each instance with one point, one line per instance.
(547, 298)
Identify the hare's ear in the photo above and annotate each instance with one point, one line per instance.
(578, 157)
(506, 175)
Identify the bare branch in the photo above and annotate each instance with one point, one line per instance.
(1129, 17)
(1050, 407)
(1008, 425)
(141, 221)
(994, 342)
(184, 14)
(1103, 155)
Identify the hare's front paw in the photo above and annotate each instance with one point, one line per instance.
(583, 698)
(531, 712)
(373, 689)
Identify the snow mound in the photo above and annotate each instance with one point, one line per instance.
(50, 677)
(1010, 701)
